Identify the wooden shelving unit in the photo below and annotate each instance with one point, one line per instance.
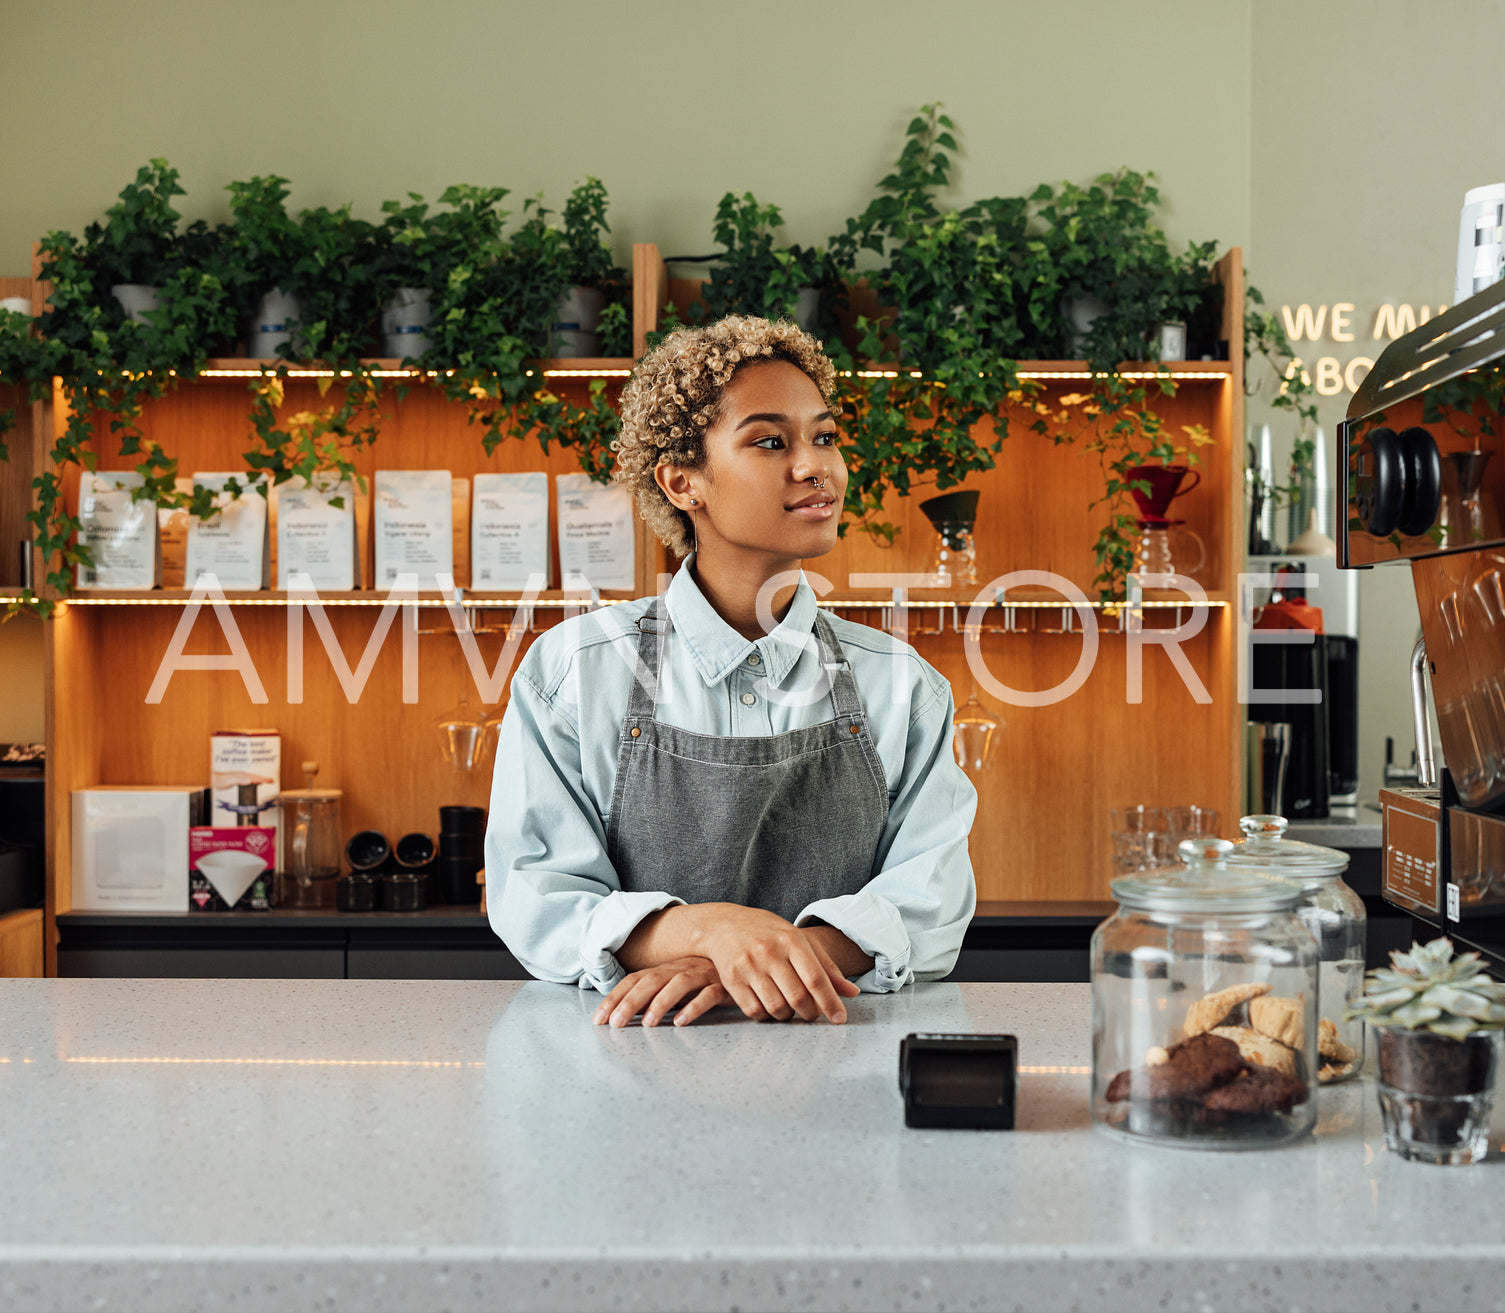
(1042, 828)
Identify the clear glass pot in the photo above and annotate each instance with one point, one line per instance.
(1335, 915)
(1204, 1008)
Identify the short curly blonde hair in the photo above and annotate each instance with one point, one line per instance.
(674, 396)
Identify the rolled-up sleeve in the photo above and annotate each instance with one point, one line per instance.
(911, 916)
(552, 894)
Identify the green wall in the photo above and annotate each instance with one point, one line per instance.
(671, 103)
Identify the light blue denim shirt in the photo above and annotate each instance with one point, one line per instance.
(551, 891)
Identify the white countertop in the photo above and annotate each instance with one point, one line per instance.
(405, 1145)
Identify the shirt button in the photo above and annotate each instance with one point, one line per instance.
(748, 699)
(753, 660)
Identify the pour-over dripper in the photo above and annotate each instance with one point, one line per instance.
(1164, 487)
(953, 515)
(461, 736)
(974, 733)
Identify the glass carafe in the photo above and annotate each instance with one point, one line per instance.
(1335, 915)
(1165, 547)
(310, 844)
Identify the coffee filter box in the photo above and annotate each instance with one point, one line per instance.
(509, 530)
(231, 869)
(119, 531)
(232, 543)
(597, 526)
(130, 846)
(413, 526)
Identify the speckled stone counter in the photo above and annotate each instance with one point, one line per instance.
(397, 1145)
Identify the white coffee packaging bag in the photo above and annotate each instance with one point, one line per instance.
(118, 530)
(509, 530)
(130, 847)
(413, 526)
(597, 537)
(232, 543)
(315, 536)
(172, 540)
(245, 776)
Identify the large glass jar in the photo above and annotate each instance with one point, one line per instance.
(1335, 915)
(1204, 1008)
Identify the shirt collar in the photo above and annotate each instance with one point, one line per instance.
(717, 649)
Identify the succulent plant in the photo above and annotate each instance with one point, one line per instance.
(1430, 988)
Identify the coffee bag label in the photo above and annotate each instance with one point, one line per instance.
(119, 531)
(316, 532)
(413, 525)
(232, 543)
(597, 542)
(509, 530)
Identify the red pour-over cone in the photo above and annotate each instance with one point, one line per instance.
(1165, 487)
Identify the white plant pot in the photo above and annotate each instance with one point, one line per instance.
(19, 305)
(1081, 313)
(405, 321)
(137, 300)
(575, 321)
(807, 308)
(270, 334)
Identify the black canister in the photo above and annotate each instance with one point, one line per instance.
(402, 891)
(355, 892)
(455, 819)
(367, 851)
(415, 852)
(457, 879)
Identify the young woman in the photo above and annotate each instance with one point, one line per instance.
(723, 794)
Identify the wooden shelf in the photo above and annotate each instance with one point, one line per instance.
(550, 599)
(230, 369)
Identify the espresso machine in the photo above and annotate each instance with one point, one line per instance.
(1424, 483)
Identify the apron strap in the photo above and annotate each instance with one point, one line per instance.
(653, 629)
(844, 695)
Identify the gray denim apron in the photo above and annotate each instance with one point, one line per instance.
(776, 821)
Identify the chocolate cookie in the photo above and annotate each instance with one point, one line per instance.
(1259, 1089)
(1191, 1068)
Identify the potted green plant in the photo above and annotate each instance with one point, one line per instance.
(752, 274)
(1437, 1020)
(596, 282)
(953, 298)
(419, 250)
(265, 247)
(134, 250)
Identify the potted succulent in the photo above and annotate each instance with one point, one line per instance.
(1437, 1020)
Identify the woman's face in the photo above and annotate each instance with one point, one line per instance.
(774, 435)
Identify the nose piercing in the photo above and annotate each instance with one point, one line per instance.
(818, 483)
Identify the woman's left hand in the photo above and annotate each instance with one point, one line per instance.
(654, 990)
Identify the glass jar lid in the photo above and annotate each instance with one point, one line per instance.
(1266, 846)
(1206, 884)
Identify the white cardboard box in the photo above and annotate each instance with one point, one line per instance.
(130, 847)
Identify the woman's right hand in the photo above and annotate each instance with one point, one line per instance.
(688, 981)
(772, 969)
